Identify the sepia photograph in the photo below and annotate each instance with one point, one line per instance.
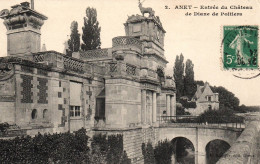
(129, 82)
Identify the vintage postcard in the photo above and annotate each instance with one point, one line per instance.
(129, 81)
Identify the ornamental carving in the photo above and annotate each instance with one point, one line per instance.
(6, 71)
(21, 16)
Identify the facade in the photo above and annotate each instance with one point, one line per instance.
(120, 87)
(205, 100)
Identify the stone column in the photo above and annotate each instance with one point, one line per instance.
(154, 107)
(168, 105)
(143, 112)
(173, 106)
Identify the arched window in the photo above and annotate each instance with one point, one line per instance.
(34, 114)
(45, 113)
(210, 107)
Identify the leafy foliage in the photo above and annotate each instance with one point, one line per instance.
(226, 98)
(63, 148)
(163, 152)
(110, 149)
(4, 126)
(189, 83)
(178, 71)
(215, 150)
(148, 153)
(243, 109)
(74, 41)
(223, 115)
(91, 31)
(180, 110)
(187, 104)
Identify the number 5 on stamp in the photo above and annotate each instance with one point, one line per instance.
(240, 47)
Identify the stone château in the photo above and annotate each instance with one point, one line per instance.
(122, 89)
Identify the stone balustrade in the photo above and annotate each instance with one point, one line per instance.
(60, 61)
(245, 149)
(121, 68)
(126, 42)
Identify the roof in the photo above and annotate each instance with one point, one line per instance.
(202, 92)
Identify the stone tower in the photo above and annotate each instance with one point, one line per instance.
(23, 26)
(151, 33)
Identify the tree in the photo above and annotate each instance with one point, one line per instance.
(189, 83)
(178, 71)
(74, 41)
(91, 31)
(226, 98)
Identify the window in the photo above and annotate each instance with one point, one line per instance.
(34, 114)
(208, 98)
(74, 111)
(59, 95)
(210, 107)
(45, 114)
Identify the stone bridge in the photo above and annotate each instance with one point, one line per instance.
(246, 149)
(200, 136)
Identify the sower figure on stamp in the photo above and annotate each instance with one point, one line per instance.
(238, 44)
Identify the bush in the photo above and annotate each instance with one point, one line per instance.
(180, 110)
(4, 126)
(187, 104)
(163, 152)
(148, 153)
(224, 115)
(63, 148)
(110, 149)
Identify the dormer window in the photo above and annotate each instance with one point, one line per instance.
(208, 98)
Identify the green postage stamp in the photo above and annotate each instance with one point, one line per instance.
(240, 47)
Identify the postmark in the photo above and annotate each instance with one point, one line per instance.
(240, 47)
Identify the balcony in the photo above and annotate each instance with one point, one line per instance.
(126, 42)
(119, 68)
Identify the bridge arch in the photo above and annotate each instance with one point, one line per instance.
(215, 150)
(199, 136)
(183, 150)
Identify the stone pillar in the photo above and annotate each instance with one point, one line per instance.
(143, 112)
(154, 107)
(168, 105)
(201, 157)
(173, 106)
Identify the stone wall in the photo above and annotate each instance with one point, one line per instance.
(133, 138)
(123, 103)
(246, 148)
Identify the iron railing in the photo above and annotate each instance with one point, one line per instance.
(224, 121)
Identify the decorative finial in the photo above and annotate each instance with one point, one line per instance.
(44, 47)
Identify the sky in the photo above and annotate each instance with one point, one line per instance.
(197, 37)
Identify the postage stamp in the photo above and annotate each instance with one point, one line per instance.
(240, 47)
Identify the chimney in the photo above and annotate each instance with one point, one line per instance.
(24, 36)
(32, 4)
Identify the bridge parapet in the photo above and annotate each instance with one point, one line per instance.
(246, 148)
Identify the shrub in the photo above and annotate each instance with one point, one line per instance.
(148, 153)
(63, 148)
(110, 149)
(163, 152)
(4, 126)
(180, 110)
(224, 115)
